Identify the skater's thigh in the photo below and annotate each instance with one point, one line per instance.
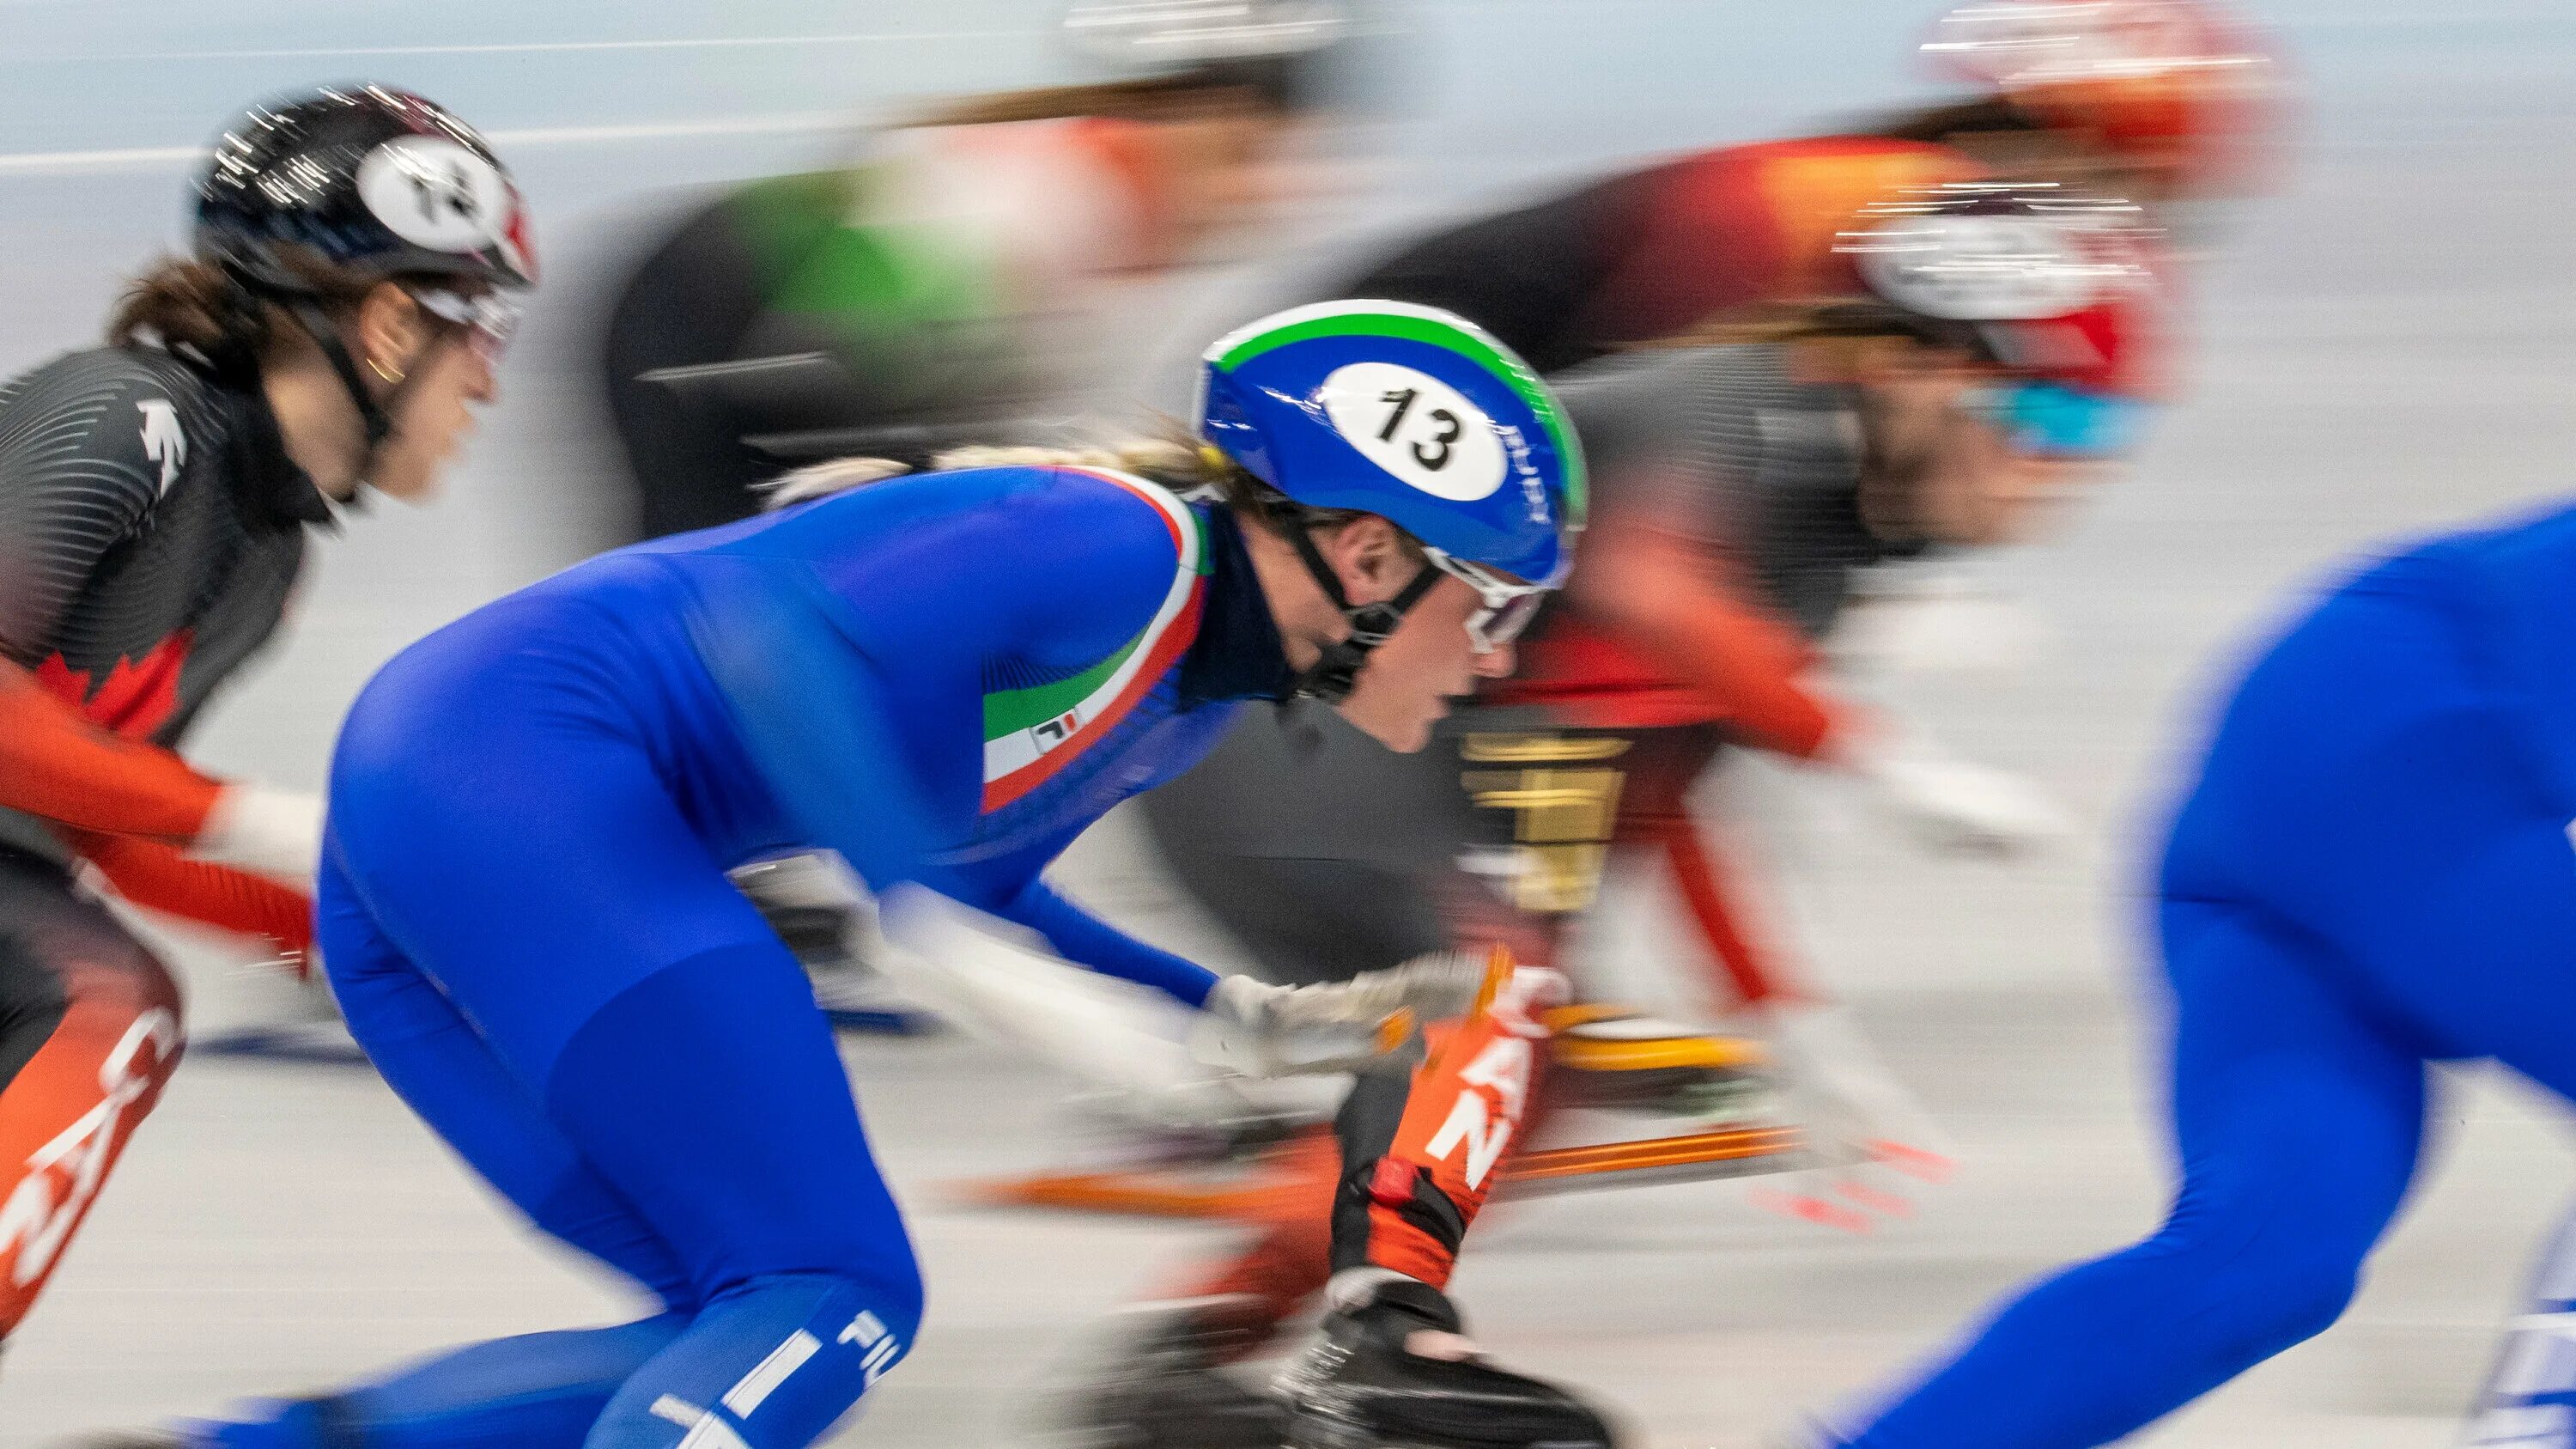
(2366, 791)
(2297, 1111)
(2476, 942)
(444, 1070)
(506, 827)
(2445, 882)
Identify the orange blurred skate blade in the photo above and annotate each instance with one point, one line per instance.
(1184, 1193)
(1691, 1157)
(1147, 1192)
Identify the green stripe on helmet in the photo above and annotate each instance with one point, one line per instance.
(1366, 319)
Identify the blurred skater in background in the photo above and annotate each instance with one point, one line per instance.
(951, 277)
(2170, 94)
(2369, 872)
(2181, 105)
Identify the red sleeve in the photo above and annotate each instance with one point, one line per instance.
(1664, 601)
(157, 877)
(1756, 223)
(55, 764)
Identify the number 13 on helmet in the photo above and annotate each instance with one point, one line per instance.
(1410, 413)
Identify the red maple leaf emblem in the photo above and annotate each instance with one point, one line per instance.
(137, 696)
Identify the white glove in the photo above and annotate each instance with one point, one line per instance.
(1263, 1030)
(1874, 1146)
(267, 831)
(1955, 805)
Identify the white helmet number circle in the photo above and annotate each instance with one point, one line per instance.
(434, 193)
(1417, 428)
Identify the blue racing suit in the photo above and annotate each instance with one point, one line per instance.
(527, 920)
(2371, 872)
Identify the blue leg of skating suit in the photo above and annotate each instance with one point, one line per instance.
(576, 999)
(2366, 878)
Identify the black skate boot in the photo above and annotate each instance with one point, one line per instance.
(1166, 1387)
(1366, 1381)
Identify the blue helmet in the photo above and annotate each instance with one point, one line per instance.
(1410, 413)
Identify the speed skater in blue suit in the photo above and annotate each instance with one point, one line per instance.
(2372, 872)
(944, 679)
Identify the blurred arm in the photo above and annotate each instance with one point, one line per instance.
(1665, 600)
(158, 877)
(56, 764)
(1087, 940)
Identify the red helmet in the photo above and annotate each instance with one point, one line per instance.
(2047, 283)
(2177, 86)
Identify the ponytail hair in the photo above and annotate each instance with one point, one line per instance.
(189, 305)
(1173, 457)
(185, 304)
(1180, 96)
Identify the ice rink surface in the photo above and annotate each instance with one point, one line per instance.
(2389, 344)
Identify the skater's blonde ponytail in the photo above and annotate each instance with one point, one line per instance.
(1173, 458)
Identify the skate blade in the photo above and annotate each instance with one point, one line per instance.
(313, 1045)
(1167, 1193)
(879, 1022)
(1690, 1157)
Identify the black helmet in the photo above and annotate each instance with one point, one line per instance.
(378, 181)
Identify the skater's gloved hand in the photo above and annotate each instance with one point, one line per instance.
(1263, 1030)
(1875, 1149)
(1951, 803)
(264, 830)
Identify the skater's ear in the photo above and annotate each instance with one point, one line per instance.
(1371, 557)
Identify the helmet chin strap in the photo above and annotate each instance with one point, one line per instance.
(309, 315)
(1337, 668)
